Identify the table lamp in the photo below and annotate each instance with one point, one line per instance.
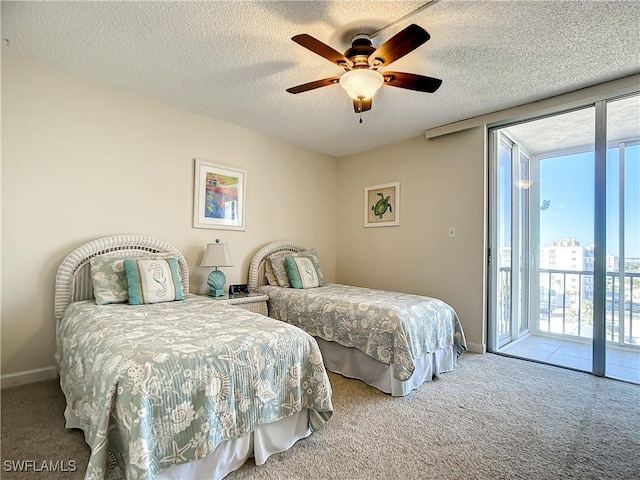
(216, 255)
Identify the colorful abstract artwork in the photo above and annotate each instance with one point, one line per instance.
(218, 196)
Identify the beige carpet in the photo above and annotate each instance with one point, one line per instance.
(492, 418)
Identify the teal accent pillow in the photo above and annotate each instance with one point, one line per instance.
(153, 281)
(302, 272)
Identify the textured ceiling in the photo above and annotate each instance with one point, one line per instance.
(233, 60)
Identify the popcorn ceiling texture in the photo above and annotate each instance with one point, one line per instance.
(233, 60)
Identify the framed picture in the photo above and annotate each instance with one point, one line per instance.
(382, 205)
(218, 196)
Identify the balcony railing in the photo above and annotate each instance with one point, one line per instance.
(566, 304)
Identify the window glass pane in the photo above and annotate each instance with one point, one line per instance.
(622, 305)
(632, 245)
(503, 287)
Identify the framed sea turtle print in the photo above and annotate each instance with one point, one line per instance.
(218, 196)
(382, 205)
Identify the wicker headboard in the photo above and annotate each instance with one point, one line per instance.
(256, 267)
(73, 280)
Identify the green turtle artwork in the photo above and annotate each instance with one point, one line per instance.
(381, 206)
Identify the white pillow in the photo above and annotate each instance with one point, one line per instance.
(153, 281)
(302, 272)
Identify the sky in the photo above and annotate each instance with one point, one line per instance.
(568, 184)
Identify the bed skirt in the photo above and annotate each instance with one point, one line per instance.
(352, 363)
(263, 442)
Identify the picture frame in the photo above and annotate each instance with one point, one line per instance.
(218, 196)
(382, 205)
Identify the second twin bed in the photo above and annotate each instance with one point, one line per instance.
(392, 341)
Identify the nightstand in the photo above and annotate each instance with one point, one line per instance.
(254, 302)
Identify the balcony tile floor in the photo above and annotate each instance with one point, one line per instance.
(622, 363)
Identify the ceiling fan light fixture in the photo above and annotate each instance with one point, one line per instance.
(361, 83)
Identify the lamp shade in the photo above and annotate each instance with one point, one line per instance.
(361, 83)
(216, 255)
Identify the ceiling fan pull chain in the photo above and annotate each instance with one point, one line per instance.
(360, 110)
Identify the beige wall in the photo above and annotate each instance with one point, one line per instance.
(81, 160)
(441, 185)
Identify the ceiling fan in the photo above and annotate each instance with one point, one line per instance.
(361, 62)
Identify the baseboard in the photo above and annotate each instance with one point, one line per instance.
(28, 376)
(476, 348)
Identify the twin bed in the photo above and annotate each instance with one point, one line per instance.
(192, 388)
(392, 341)
(188, 388)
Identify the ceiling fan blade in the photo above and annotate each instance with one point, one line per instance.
(411, 81)
(362, 105)
(305, 87)
(399, 45)
(316, 46)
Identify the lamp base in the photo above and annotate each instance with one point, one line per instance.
(216, 281)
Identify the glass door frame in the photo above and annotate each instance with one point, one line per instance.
(520, 168)
(599, 342)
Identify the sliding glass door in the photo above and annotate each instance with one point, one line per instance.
(565, 245)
